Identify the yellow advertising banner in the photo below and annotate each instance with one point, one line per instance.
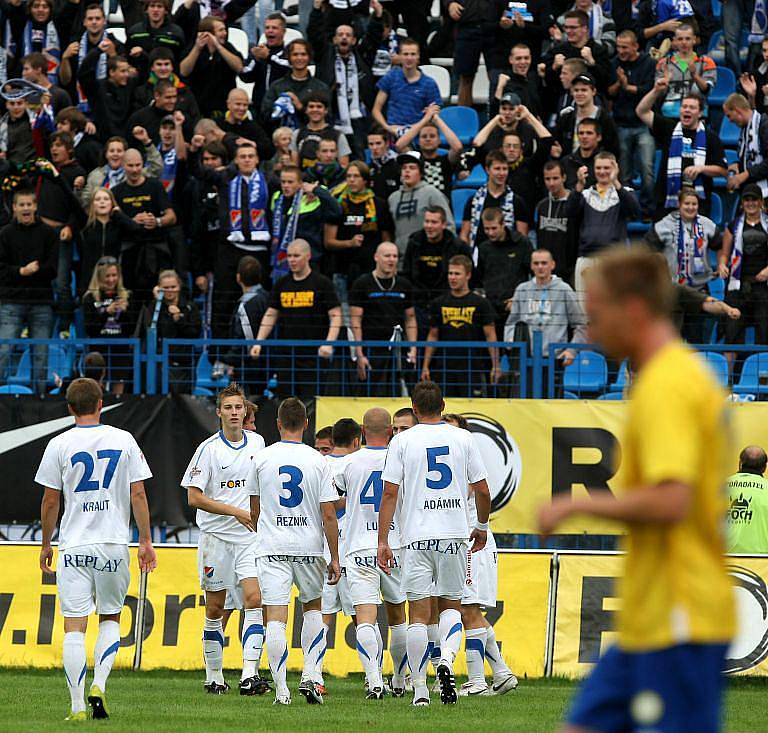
(587, 606)
(535, 449)
(31, 625)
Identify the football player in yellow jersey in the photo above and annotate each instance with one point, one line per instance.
(677, 616)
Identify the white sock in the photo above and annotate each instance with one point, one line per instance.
(313, 632)
(399, 650)
(493, 655)
(107, 644)
(475, 650)
(417, 643)
(450, 635)
(433, 632)
(74, 668)
(380, 641)
(213, 650)
(253, 640)
(368, 650)
(277, 653)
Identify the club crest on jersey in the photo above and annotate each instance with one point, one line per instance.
(194, 472)
(208, 571)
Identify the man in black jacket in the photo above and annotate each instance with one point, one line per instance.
(111, 99)
(345, 67)
(503, 262)
(157, 29)
(28, 261)
(267, 62)
(165, 103)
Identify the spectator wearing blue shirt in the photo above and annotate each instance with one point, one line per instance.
(405, 91)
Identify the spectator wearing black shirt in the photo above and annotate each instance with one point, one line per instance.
(743, 262)
(150, 118)
(35, 69)
(28, 257)
(691, 154)
(327, 171)
(25, 132)
(503, 262)
(385, 172)
(88, 150)
(305, 306)
(635, 72)
(381, 308)
(527, 24)
(237, 121)
(754, 83)
(520, 78)
(438, 168)
(111, 99)
(156, 29)
(751, 166)
(145, 201)
(590, 138)
(267, 62)
(305, 139)
(555, 230)
(364, 224)
(461, 315)
(475, 22)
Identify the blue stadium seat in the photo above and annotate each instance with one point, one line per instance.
(15, 389)
(570, 396)
(622, 378)
(725, 85)
(638, 227)
(719, 365)
(459, 197)
(202, 392)
(462, 120)
(731, 156)
(477, 177)
(61, 362)
(588, 373)
(23, 373)
(729, 133)
(717, 8)
(203, 376)
(717, 47)
(716, 209)
(754, 375)
(611, 396)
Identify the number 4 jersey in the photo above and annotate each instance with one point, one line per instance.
(433, 465)
(291, 480)
(358, 477)
(94, 466)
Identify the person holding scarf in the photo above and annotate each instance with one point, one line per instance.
(691, 155)
(299, 211)
(743, 263)
(685, 237)
(327, 171)
(752, 165)
(33, 28)
(364, 224)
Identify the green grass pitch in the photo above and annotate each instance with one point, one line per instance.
(168, 701)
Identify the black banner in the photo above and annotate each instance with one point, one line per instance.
(167, 428)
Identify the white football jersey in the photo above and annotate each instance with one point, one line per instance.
(433, 464)
(94, 466)
(359, 479)
(222, 472)
(334, 463)
(291, 480)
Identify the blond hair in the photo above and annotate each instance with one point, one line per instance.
(96, 284)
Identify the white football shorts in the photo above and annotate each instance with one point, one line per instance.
(442, 562)
(222, 565)
(277, 573)
(482, 580)
(234, 599)
(93, 578)
(368, 583)
(337, 597)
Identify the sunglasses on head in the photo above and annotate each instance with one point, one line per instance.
(107, 261)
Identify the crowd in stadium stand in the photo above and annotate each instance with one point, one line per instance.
(246, 163)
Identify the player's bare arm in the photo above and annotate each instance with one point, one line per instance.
(479, 535)
(386, 513)
(147, 556)
(198, 500)
(331, 529)
(255, 510)
(666, 503)
(49, 514)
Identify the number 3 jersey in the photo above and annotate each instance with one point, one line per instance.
(359, 478)
(93, 466)
(291, 480)
(433, 465)
(221, 471)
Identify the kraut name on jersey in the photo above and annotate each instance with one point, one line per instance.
(94, 467)
(222, 471)
(359, 477)
(433, 465)
(291, 480)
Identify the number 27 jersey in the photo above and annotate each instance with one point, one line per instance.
(291, 481)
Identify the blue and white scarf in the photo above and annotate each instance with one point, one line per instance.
(168, 174)
(478, 202)
(675, 162)
(759, 27)
(284, 112)
(382, 62)
(101, 68)
(113, 176)
(691, 264)
(257, 206)
(282, 236)
(750, 153)
(737, 251)
(43, 40)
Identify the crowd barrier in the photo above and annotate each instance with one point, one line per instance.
(554, 615)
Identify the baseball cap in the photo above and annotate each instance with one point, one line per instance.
(510, 98)
(412, 156)
(584, 79)
(752, 191)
